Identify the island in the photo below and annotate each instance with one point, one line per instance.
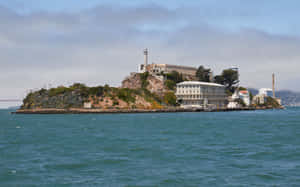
(155, 88)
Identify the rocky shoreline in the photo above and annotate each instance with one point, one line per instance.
(119, 111)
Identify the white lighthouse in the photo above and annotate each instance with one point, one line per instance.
(143, 67)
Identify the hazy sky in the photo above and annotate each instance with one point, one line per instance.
(58, 42)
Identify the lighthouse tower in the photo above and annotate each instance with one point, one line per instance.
(143, 67)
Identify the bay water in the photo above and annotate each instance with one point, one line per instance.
(247, 148)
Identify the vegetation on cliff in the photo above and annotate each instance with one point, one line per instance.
(270, 102)
(104, 97)
(171, 79)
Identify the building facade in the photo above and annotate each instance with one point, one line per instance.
(242, 95)
(167, 68)
(245, 96)
(195, 94)
(157, 69)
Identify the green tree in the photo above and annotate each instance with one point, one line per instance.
(144, 77)
(174, 76)
(203, 74)
(231, 78)
(170, 84)
(219, 79)
(242, 88)
(271, 102)
(170, 98)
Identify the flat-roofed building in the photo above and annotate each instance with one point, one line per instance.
(167, 68)
(156, 69)
(195, 94)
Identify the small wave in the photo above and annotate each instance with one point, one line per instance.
(266, 176)
(68, 166)
(13, 171)
(137, 149)
(115, 161)
(167, 182)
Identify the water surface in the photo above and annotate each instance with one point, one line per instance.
(249, 148)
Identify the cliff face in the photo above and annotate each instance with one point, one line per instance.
(80, 96)
(46, 99)
(138, 91)
(132, 82)
(153, 84)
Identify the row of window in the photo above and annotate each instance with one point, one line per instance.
(217, 92)
(200, 97)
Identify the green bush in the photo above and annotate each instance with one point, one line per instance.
(58, 91)
(97, 91)
(144, 77)
(126, 95)
(170, 98)
(170, 84)
(174, 76)
(115, 102)
(272, 102)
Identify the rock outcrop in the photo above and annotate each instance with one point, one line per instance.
(155, 84)
(101, 97)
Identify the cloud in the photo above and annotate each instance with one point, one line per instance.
(104, 44)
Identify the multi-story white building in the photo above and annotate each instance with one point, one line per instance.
(195, 94)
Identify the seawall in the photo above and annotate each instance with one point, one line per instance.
(111, 111)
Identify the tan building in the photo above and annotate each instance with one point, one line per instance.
(165, 68)
(195, 94)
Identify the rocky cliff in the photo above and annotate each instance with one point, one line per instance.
(101, 97)
(155, 84)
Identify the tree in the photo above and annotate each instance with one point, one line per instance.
(203, 74)
(172, 79)
(219, 79)
(144, 77)
(174, 76)
(231, 78)
(170, 98)
(242, 88)
(170, 84)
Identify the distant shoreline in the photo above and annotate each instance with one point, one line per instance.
(120, 111)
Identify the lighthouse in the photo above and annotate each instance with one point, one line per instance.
(145, 59)
(143, 67)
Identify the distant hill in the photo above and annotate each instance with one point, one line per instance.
(14, 107)
(288, 98)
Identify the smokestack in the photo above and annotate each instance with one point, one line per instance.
(273, 84)
(146, 59)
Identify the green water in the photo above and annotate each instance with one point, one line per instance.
(251, 148)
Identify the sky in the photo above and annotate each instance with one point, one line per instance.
(58, 42)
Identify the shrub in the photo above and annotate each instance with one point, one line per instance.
(97, 91)
(42, 91)
(144, 77)
(115, 102)
(174, 76)
(170, 98)
(126, 95)
(57, 91)
(272, 102)
(170, 84)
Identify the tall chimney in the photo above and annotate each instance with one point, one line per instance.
(146, 59)
(273, 84)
